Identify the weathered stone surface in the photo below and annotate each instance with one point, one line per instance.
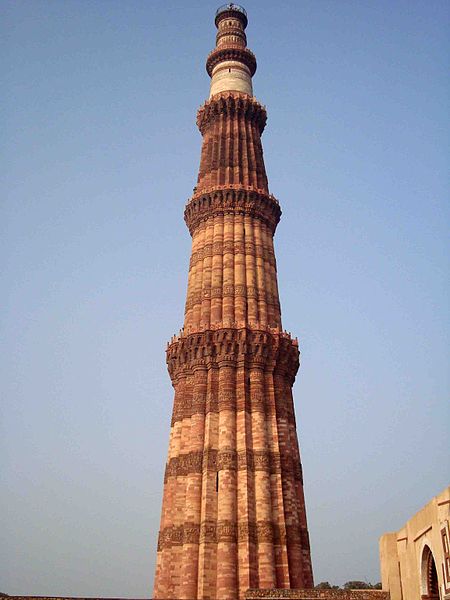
(316, 595)
(258, 594)
(232, 155)
(233, 514)
(61, 598)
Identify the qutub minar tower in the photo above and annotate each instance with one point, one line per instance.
(233, 513)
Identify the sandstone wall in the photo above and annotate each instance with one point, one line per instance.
(317, 595)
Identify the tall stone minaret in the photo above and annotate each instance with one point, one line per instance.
(233, 514)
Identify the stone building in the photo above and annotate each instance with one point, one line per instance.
(415, 561)
(233, 513)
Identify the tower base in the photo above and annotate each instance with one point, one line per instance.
(275, 594)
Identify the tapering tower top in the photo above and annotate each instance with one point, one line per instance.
(231, 64)
(231, 10)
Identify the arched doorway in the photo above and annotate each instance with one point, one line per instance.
(430, 585)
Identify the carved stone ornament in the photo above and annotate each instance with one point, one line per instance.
(233, 507)
(234, 347)
(210, 532)
(213, 460)
(219, 199)
(231, 104)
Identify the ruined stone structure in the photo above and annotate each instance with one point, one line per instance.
(233, 514)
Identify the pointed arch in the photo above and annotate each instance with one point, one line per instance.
(429, 577)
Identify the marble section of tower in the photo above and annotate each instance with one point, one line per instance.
(233, 514)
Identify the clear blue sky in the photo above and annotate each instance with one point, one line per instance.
(100, 152)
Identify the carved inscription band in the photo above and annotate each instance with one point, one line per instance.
(226, 531)
(233, 291)
(230, 247)
(186, 407)
(250, 460)
(214, 460)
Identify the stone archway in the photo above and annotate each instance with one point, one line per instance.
(430, 585)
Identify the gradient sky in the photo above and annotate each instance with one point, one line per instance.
(100, 152)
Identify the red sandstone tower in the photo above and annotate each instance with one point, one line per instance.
(233, 514)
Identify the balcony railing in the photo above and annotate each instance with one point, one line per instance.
(231, 6)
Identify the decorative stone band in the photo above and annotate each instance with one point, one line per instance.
(232, 247)
(229, 200)
(233, 291)
(210, 532)
(219, 460)
(275, 352)
(186, 407)
(231, 52)
(231, 31)
(231, 104)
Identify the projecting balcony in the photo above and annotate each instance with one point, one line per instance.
(229, 9)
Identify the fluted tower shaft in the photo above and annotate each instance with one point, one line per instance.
(233, 514)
